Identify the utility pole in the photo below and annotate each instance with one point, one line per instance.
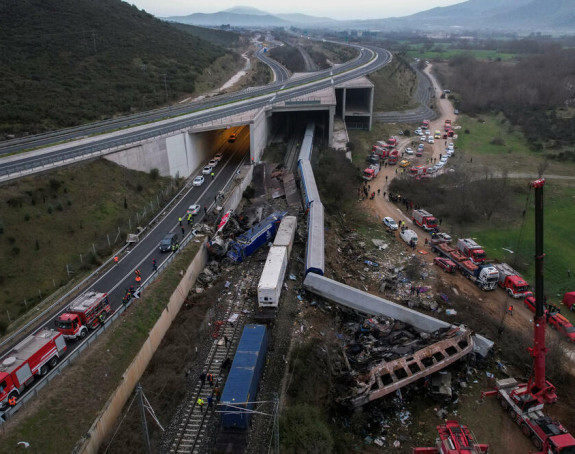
(145, 433)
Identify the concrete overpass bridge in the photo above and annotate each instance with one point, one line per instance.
(178, 140)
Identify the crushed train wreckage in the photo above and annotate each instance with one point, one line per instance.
(388, 356)
(400, 345)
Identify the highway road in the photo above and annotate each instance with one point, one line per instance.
(369, 60)
(120, 277)
(281, 74)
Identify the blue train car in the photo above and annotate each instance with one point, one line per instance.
(307, 181)
(315, 249)
(244, 377)
(249, 242)
(307, 142)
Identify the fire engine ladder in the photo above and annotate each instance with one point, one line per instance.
(388, 377)
(192, 428)
(457, 438)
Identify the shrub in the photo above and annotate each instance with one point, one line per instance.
(154, 174)
(26, 217)
(498, 141)
(304, 429)
(54, 184)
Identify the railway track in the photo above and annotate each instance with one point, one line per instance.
(192, 431)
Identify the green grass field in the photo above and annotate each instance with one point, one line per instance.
(515, 156)
(51, 223)
(559, 218)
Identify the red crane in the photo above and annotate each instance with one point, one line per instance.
(525, 401)
(454, 438)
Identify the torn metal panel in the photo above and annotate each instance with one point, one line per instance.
(387, 377)
(373, 305)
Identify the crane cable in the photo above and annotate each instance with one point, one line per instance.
(528, 200)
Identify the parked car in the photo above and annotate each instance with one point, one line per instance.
(213, 163)
(427, 132)
(430, 140)
(418, 131)
(207, 170)
(445, 264)
(193, 209)
(439, 165)
(456, 112)
(422, 138)
(232, 138)
(198, 181)
(443, 236)
(171, 239)
(404, 163)
(449, 153)
(444, 159)
(408, 150)
(390, 223)
(219, 157)
(431, 170)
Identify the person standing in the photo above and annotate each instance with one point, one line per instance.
(200, 402)
(154, 265)
(116, 259)
(180, 220)
(183, 231)
(203, 378)
(212, 175)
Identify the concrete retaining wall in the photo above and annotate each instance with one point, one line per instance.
(179, 155)
(260, 129)
(234, 199)
(107, 421)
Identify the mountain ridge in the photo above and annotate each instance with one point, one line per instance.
(502, 15)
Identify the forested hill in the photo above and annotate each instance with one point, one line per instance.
(66, 62)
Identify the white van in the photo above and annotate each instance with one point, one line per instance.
(408, 236)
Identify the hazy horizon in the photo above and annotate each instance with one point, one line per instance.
(359, 9)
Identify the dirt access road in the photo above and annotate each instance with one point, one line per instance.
(493, 303)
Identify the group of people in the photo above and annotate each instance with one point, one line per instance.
(216, 391)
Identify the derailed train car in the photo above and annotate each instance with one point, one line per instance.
(239, 395)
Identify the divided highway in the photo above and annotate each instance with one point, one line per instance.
(369, 60)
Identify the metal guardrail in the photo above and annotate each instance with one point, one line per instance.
(92, 276)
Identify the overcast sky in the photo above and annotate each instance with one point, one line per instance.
(348, 9)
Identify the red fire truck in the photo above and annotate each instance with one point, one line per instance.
(87, 311)
(35, 355)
